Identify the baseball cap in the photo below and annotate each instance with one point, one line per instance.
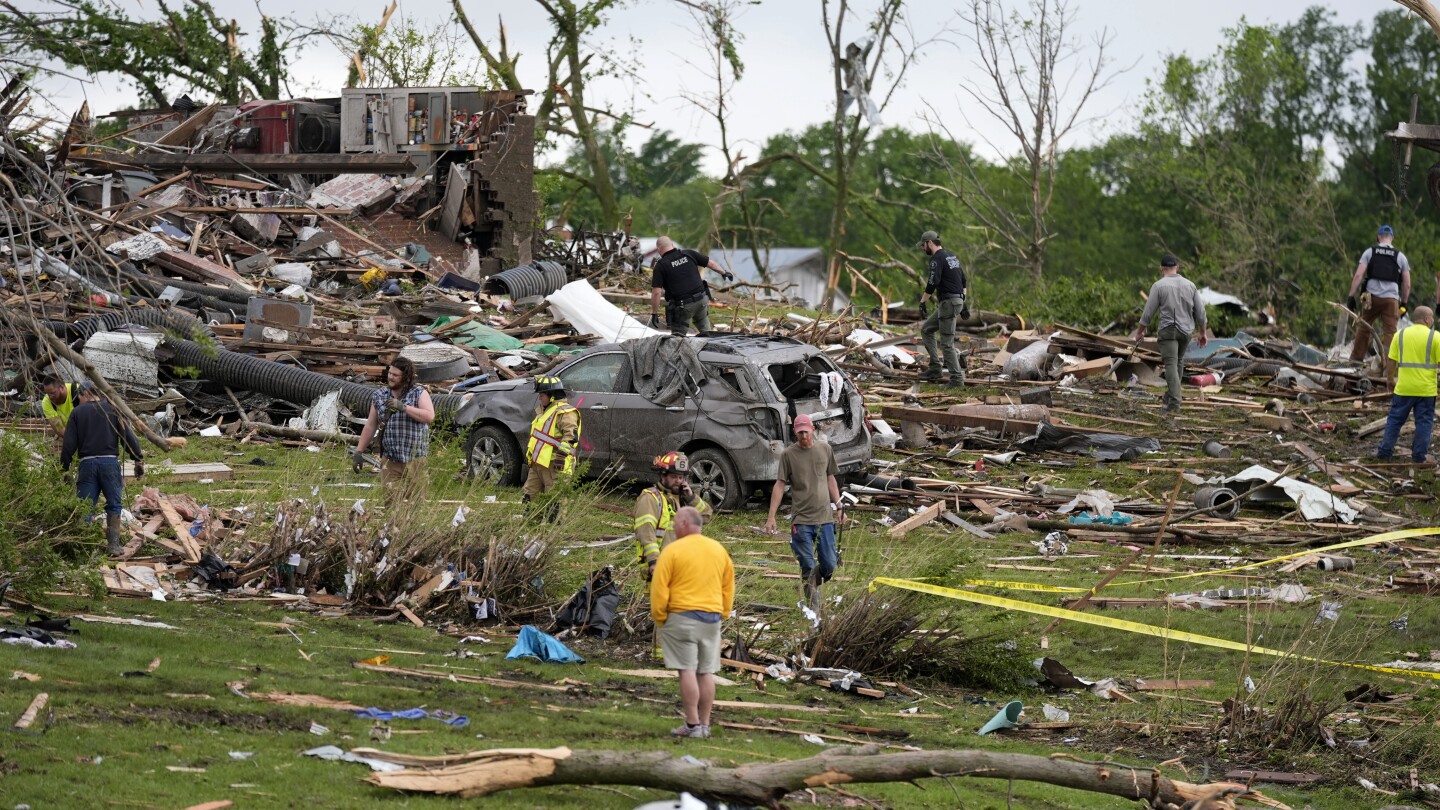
(802, 422)
(1386, 230)
(88, 387)
(928, 236)
(1169, 260)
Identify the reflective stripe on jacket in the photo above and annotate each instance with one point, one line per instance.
(546, 436)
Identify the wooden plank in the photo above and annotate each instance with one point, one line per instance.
(187, 129)
(226, 163)
(30, 713)
(924, 516)
(1274, 777)
(191, 549)
(410, 615)
(1172, 683)
(214, 471)
(959, 420)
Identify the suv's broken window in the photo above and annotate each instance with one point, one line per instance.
(597, 374)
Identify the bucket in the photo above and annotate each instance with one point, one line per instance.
(1223, 497)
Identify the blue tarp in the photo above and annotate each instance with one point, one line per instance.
(543, 647)
(448, 718)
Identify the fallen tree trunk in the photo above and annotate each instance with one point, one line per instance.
(482, 773)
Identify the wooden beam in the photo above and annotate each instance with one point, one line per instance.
(958, 420)
(225, 163)
(917, 520)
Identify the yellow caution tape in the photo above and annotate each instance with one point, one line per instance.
(1122, 624)
(1025, 586)
(1373, 539)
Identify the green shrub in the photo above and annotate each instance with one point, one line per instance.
(44, 532)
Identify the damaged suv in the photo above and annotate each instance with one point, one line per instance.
(728, 402)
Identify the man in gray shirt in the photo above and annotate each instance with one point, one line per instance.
(1385, 272)
(1176, 300)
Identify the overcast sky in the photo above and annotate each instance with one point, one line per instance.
(787, 83)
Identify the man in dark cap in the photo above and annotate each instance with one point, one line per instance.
(1382, 282)
(94, 433)
(1177, 302)
(948, 284)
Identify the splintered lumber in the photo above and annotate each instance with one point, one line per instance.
(483, 773)
(174, 473)
(456, 676)
(922, 517)
(225, 163)
(181, 529)
(29, 716)
(999, 424)
(1172, 683)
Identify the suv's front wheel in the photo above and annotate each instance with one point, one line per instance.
(492, 456)
(714, 478)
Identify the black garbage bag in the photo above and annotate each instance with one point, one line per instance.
(593, 607)
(1103, 446)
(218, 574)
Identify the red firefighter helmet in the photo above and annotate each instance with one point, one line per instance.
(673, 461)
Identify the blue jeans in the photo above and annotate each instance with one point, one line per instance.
(99, 475)
(1400, 409)
(804, 540)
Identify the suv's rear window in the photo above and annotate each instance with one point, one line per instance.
(801, 379)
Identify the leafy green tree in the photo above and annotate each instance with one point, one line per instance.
(190, 47)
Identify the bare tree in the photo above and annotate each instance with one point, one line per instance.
(1036, 83)
(572, 59)
(722, 68)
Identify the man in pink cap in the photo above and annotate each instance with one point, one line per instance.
(808, 467)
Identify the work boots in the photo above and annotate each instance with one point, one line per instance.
(113, 546)
(934, 371)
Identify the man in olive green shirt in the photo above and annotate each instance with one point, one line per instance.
(809, 468)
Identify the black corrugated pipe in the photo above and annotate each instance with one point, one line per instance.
(158, 318)
(535, 278)
(884, 483)
(244, 372)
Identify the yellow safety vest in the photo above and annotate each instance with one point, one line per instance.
(543, 440)
(1417, 365)
(661, 526)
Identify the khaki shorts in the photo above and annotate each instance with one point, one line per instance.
(403, 482)
(690, 644)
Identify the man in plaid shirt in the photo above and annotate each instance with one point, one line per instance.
(406, 411)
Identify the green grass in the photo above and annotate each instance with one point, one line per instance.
(139, 727)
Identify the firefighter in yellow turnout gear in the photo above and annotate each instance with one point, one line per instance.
(554, 437)
(655, 508)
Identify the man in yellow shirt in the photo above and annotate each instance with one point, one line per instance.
(1415, 353)
(692, 590)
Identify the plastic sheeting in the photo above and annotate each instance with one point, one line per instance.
(543, 647)
(593, 607)
(580, 305)
(1103, 446)
(664, 367)
(1314, 502)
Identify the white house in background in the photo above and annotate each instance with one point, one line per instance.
(802, 268)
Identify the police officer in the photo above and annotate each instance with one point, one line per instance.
(1385, 274)
(655, 508)
(948, 284)
(554, 437)
(677, 274)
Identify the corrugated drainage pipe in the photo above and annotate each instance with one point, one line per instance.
(243, 372)
(1224, 499)
(535, 278)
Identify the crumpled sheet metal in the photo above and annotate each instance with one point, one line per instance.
(1314, 502)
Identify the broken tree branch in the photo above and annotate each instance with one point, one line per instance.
(482, 773)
